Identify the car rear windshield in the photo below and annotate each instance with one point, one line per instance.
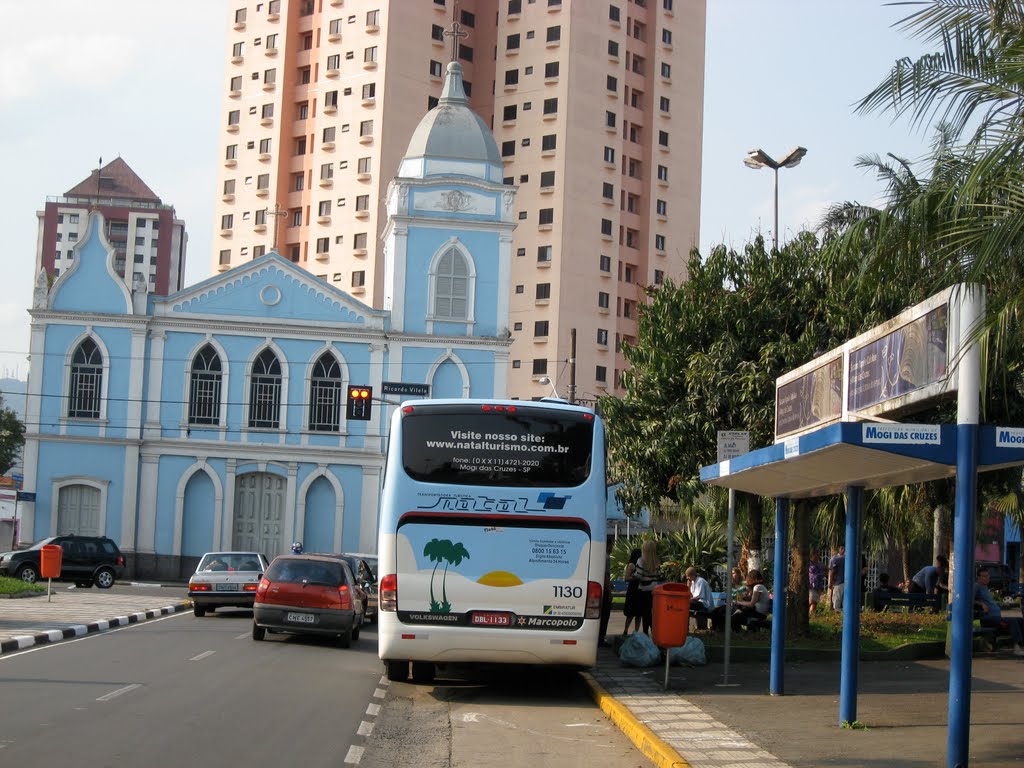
(528, 448)
(306, 572)
(229, 561)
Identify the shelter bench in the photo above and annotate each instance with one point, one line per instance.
(912, 601)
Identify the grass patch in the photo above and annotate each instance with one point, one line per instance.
(9, 586)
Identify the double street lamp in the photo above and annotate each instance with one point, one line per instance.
(758, 158)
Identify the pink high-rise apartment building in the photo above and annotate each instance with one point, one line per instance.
(596, 105)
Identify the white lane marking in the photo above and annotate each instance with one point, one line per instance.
(355, 754)
(379, 693)
(582, 725)
(365, 728)
(383, 680)
(373, 710)
(202, 655)
(478, 717)
(119, 691)
(243, 636)
(50, 646)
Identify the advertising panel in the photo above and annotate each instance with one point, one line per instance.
(813, 400)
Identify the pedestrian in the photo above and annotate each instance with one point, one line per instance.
(815, 582)
(931, 580)
(606, 603)
(631, 606)
(992, 615)
(837, 578)
(648, 573)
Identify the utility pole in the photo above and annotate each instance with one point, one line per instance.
(276, 213)
(572, 365)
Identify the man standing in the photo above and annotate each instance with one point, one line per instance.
(837, 577)
(992, 616)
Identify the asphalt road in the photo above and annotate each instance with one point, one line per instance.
(182, 690)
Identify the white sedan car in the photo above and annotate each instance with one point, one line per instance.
(226, 579)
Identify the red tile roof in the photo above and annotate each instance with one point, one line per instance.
(116, 180)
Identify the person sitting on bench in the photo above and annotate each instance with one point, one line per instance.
(931, 580)
(701, 599)
(757, 607)
(992, 615)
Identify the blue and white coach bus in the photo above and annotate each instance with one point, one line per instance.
(492, 535)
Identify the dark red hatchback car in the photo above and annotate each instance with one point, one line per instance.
(309, 595)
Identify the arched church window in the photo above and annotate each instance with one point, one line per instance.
(325, 395)
(205, 387)
(265, 392)
(451, 286)
(86, 381)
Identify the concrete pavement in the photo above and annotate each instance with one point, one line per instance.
(695, 722)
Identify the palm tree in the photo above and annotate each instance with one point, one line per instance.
(437, 550)
(454, 555)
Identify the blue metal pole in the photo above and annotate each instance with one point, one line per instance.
(851, 607)
(780, 583)
(962, 618)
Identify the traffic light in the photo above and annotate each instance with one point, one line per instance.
(360, 399)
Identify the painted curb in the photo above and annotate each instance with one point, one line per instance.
(80, 630)
(649, 744)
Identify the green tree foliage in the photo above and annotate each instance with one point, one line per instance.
(12, 437)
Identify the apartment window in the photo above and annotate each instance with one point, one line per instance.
(263, 181)
(627, 273)
(663, 138)
(554, 34)
(666, 70)
(366, 128)
(362, 202)
(350, 55)
(334, 61)
(636, 98)
(370, 54)
(236, 83)
(325, 395)
(608, 191)
(86, 381)
(544, 253)
(512, 77)
(601, 373)
(515, 6)
(359, 278)
(270, 76)
(295, 253)
(609, 155)
(305, 73)
(540, 328)
(635, 133)
(519, 289)
(261, 216)
(662, 173)
(335, 27)
(265, 392)
(636, 168)
(224, 260)
(540, 367)
(364, 164)
(511, 43)
(662, 208)
(508, 148)
(240, 16)
(326, 171)
(238, 50)
(468, 87)
(229, 189)
(297, 217)
(547, 216)
(300, 145)
(606, 227)
(465, 52)
(234, 117)
(274, 7)
(372, 18)
(324, 208)
(551, 69)
(369, 91)
(543, 291)
(659, 276)
(639, 64)
(666, 4)
(328, 135)
(359, 241)
(323, 244)
(664, 104)
(265, 145)
(271, 42)
(267, 111)
(468, 19)
(613, 13)
(602, 300)
(437, 32)
(258, 250)
(551, 106)
(639, 31)
(612, 84)
(627, 309)
(509, 113)
(609, 119)
(666, 36)
(435, 68)
(548, 142)
(205, 387)
(613, 48)
(227, 221)
(547, 179)
(659, 242)
(602, 337)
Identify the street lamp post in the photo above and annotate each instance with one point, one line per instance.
(758, 158)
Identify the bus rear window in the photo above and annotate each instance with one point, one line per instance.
(529, 448)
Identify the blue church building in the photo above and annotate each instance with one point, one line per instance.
(215, 418)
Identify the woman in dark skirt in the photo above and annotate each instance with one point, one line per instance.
(632, 607)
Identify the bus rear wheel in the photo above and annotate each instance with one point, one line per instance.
(397, 671)
(423, 672)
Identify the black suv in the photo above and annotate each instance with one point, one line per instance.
(86, 560)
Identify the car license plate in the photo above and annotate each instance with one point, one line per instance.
(492, 619)
(227, 587)
(301, 618)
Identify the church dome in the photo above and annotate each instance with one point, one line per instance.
(452, 139)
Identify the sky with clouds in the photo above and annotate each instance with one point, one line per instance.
(144, 80)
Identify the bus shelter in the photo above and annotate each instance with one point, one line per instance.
(861, 450)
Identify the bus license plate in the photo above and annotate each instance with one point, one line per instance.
(301, 618)
(492, 619)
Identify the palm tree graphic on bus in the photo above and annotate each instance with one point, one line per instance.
(452, 554)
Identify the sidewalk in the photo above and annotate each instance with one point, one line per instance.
(696, 722)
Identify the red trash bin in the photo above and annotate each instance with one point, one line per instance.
(51, 556)
(670, 620)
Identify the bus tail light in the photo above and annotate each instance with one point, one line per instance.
(593, 601)
(387, 594)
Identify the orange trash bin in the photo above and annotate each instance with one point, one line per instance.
(51, 556)
(670, 619)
